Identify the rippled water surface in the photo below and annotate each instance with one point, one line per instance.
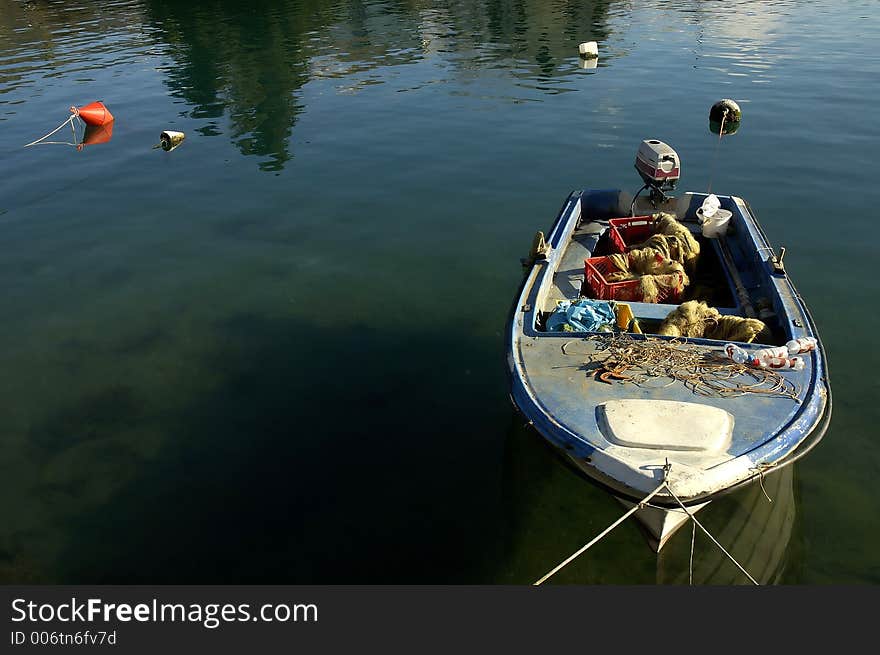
(275, 353)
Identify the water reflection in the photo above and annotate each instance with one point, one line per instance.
(245, 59)
(739, 39)
(755, 525)
(135, 389)
(553, 511)
(46, 41)
(247, 62)
(242, 67)
(96, 134)
(589, 63)
(252, 60)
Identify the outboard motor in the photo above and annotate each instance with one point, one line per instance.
(659, 167)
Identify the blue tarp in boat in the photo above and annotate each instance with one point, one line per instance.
(582, 315)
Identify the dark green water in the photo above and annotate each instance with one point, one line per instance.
(275, 353)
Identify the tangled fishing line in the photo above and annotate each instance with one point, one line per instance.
(625, 359)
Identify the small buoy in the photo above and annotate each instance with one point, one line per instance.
(724, 117)
(169, 140)
(589, 50)
(94, 113)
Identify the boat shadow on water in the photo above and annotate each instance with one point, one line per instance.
(551, 514)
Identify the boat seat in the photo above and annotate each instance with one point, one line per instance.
(659, 311)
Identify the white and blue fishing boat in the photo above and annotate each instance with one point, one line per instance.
(665, 422)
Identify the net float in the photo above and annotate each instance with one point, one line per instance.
(588, 50)
(169, 139)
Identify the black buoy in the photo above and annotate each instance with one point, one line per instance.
(724, 117)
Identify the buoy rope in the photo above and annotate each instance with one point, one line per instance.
(42, 138)
(640, 505)
(715, 154)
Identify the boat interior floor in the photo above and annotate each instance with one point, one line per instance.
(708, 282)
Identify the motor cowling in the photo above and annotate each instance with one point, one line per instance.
(658, 165)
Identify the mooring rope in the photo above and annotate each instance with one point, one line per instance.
(709, 534)
(760, 468)
(636, 508)
(640, 505)
(691, 565)
(42, 138)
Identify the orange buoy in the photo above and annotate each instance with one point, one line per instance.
(94, 113)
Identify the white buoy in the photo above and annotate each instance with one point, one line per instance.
(589, 49)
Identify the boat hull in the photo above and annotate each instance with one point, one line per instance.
(570, 409)
(660, 524)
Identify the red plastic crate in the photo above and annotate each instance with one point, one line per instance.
(597, 268)
(630, 231)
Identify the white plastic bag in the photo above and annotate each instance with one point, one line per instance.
(710, 205)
